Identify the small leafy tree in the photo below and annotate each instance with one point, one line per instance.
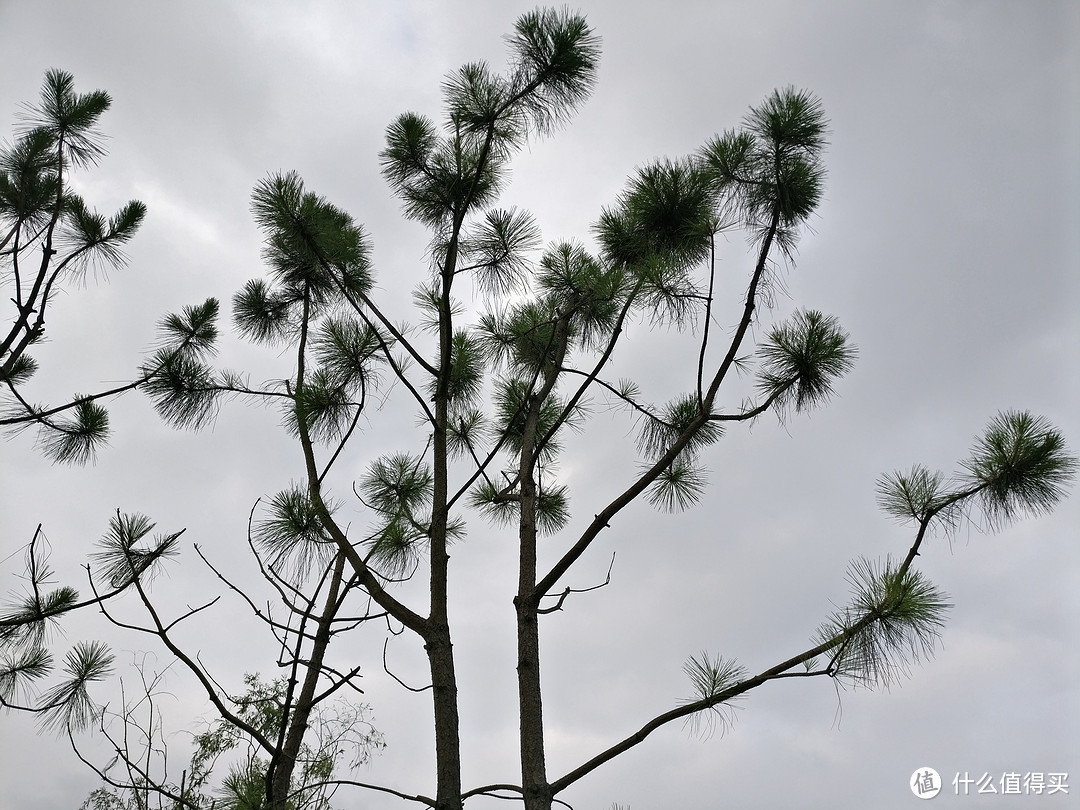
(500, 379)
(336, 730)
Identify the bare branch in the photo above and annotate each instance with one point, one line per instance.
(386, 669)
(568, 590)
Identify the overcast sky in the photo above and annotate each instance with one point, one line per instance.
(947, 245)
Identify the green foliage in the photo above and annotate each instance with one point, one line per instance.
(663, 220)
(262, 314)
(680, 419)
(244, 786)
(497, 249)
(26, 626)
(21, 369)
(342, 739)
(770, 173)
(501, 390)
(502, 508)
(660, 229)
(29, 179)
(314, 250)
(679, 486)
(802, 358)
(292, 535)
(434, 178)
(398, 488)
(21, 667)
(91, 239)
(918, 495)
(397, 484)
(466, 429)
(349, 352)
(182, 386)
(395, 548)
(556, 55)
(576, 285)
(894, 620)
(552, 509)
(711, 678)
(70, 118)
(576, 307)
(1020, 465)
(105, 799)
(125, 556)
(184, 391)
(74, 439)
(320, 264)
(68, 704)
(466, 370)
(511, 399)
(523, 337)
(40, 213)
(682, 482)
(496, 504)
(60, 132)
(322, 404)
(439, 178)
(191, 333)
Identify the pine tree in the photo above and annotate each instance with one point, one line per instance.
(499, 379)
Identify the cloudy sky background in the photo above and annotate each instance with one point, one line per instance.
(947, 245)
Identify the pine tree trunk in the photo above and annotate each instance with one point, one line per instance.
(534, 784)
(530, 707)
(437, 639)
(447, 745)
(284, 763)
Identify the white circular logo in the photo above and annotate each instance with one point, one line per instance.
(925, 783)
